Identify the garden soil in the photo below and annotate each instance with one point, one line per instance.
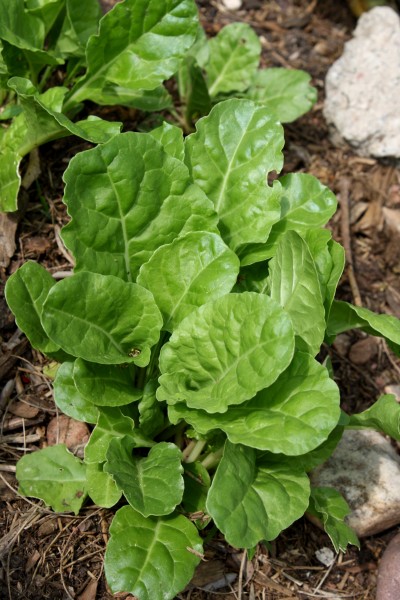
(49, 556)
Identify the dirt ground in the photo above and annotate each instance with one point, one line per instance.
(44, 555)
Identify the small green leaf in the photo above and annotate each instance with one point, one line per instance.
(126, 199)
(101, 487)
(153, 485)
(225, 352)
(234, 57)
(197, 484)
(294, 284)
(305, 203)
(105, 385)
(68, 398)
(81, 21)
(151, 558)
(55, 476)
(194, 269)
(25, 291)
(252, 500)
(102, 319)
(151, 414)
(229, 156)
(345, 316)
(193, 91)
(171, 139)
(292, 416)
(328, 505)
(384, 416)
(112, 424)
(286, 93)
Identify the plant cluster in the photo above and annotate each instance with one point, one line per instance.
(188, 333)
(56, 54)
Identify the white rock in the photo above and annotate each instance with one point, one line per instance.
(363, 87)
(365, 468)
(232, 4)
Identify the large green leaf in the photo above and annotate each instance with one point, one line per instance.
(234, 57)
(251, 500)
(55, 476)
(383, 415)
(345, 316)
(152, 558)
(328, 505)
(112, 424)
(102, 319)
(25, 291)
(100, 486)
(140, 44)
(69, 400)
(105, 385)
(193, 270)
(153, 485)
(225, 352)
(286, 93)
(292, 416)
(305, 203)
(229, 156)
(46, 10)
(294, 284)
(126, 199)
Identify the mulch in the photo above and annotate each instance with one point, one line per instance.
(44, 555)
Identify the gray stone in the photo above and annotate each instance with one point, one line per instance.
(363, 87)
(232, 4)
(365, 468)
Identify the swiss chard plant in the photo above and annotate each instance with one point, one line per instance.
(57, 54)
(188, 336)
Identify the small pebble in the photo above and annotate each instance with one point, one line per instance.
(325, 556)
(232, 4)
(363, 351)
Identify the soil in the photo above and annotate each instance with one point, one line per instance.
(45, 555)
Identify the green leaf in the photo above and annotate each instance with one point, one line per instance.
(286, 93)
(153, 485)
(193, 91)
(294, 284)
(105, 385)
(292, 416)
(101, 487)
(345, 316)
(151, 558)
(384, 416)
(55, 476)
(252, 500)
(126, 199)
(45, 120)
(140, 44)
(46, 10)
(20, 28)
(69, 400)
(319, 455)
(81, 21)
(151, 415)
(193, 270)
(234, 57)
(225, 352)
(197, 484)
(171, 139)
(25, 291)
(102, 319)
(338, 263)
(229, 157)
(305, 203)
(328, 505)
(112, 424)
